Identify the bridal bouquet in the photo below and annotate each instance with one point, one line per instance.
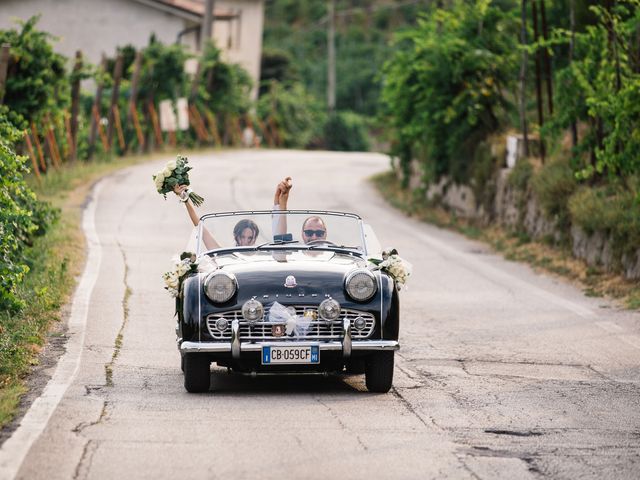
(183, 266)
(394, 266)
(175, 173)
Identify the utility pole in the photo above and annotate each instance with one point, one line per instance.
(206, 31)
(331, 61)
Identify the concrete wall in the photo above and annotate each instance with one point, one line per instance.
(95, 26)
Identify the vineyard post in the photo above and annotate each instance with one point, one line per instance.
(75, 105)
(115, 91)
(132, 114)
(4, 65)
(95, 117)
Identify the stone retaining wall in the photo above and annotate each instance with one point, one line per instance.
(512, 211)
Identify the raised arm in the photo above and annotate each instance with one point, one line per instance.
(207, 238)
(280, 200)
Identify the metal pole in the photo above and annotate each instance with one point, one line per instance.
(207, 24)
(331, 60)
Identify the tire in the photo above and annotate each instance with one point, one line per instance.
(182, 362)
(197, 374)
(379, 372)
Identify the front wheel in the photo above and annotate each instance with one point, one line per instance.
(197, 374)
(379, 372)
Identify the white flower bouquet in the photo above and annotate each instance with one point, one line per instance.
(175, 173)
(394, 266)
(183, 266)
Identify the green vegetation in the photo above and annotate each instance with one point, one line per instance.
(55, 260)
(295, 56)
(453, 87)
(297, 114)
(36, 79)
(22, 217)
(443, 88)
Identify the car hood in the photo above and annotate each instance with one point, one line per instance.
(267, 275)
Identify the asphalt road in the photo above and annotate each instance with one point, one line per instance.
(502, 372)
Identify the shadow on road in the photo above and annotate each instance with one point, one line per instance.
(232, 383)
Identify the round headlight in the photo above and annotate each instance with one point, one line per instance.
(220, 286)
(361, 285)
(252, 310)
(329, 310)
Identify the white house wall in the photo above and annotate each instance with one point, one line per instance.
(241, 39)
(95, 26)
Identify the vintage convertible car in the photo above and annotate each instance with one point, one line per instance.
(282, 305)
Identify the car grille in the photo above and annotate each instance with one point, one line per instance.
(317, 329)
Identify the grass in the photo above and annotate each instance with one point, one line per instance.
(57, 259)
(517, 246)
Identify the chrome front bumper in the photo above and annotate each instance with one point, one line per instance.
(236, 347)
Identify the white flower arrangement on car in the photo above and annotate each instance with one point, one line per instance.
(184, 265)
(394, 266)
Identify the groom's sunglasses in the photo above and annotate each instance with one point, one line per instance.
(317, 233)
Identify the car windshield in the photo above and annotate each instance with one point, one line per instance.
(313, 229)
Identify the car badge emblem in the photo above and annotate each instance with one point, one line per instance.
(290, 282)
(277, 330)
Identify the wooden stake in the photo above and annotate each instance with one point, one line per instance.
(213, 127)
(4, 65)
(135, 78)
(52, 152)
(196, 122)
(203, 127)
(238, 130)
(274, 130)
(116, 119)
(265, 132)
(34, 131)
(70, 143)
(115, 91)
(32, 155)
(72, 125)
(103, 136)
(156, 123)
(133, 111)
(53, 144)
(95, 120)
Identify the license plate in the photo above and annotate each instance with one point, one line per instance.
(279, 354)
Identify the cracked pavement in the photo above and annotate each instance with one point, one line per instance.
(502, 373)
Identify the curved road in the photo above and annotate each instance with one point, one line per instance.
(503, 373)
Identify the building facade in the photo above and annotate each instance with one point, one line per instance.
(98, 27)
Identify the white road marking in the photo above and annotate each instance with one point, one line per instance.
(15, 449)
(609, 327)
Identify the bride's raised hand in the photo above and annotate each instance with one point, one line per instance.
(181, 192)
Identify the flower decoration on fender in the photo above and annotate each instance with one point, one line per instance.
(394, 266)
(184, 266)
(176, 172)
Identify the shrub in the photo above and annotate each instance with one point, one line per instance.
(36, 78)
(21, 216)
(346, 131)
(520, 175)
(443, 88)
(612, 209)
(553, 185)
(297, 114)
